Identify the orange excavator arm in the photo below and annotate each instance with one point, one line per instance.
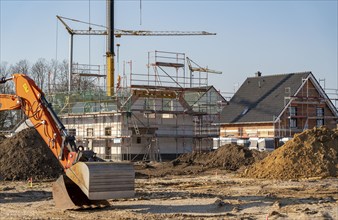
(9, 102)
(88, 180)
(33, 103)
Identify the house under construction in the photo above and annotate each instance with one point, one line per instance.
(269, 109)
(158, 115)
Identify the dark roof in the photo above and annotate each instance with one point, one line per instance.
(261, 98)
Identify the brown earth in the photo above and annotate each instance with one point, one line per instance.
(229, 157)
(313, 153)
(2, 137)
(212, 191)
(25, 155)
(195, 197)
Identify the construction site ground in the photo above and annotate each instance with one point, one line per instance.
(296, 181)
(216, 194)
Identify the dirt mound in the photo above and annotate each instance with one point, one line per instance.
(2, 137)
(26, 155)
(313, 153)
(227, 157)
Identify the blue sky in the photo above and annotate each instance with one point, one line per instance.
(269, 36)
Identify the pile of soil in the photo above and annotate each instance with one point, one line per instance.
(313, 153)
(2, 137)
(228, 157)
(25, 155)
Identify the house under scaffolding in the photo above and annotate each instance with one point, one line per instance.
(269, 110)
(156, 116)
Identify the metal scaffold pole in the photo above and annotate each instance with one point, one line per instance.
(70, 65)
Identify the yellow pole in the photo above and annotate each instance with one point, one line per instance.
(110, 74)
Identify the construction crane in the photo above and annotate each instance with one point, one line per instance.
(117, 33)
(199, 68)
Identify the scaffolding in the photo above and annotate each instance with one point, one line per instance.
(157, 115)
(170, 94)
(306, 108)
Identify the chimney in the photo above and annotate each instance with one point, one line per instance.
(258, 74)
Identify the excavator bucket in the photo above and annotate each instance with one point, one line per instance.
(90, 184)
(67, 195)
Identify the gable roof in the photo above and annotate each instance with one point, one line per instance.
(261, 98)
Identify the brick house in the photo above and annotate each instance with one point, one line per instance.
(275, 107)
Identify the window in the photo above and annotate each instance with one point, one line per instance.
(138, 140)
(107, 131)
(90, 132)
(149, 104)
(168, 115)
(320, 112)
(149, 115)
(293, 111)
(319, 122)
(167, 105)
(72, 131)
(293, 123)
(240, 132)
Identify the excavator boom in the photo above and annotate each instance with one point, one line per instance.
(9, 102)
(88, 180)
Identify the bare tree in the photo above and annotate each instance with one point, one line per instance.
(5, 72)
(61, 77)
(53, 72)
(50, 76)
(3, 88)
(39, 73)
(22, 66)
(84, 83)
(7, 118)
(4, 69)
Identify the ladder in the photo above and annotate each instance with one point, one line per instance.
(147, 153)
(152, 151)
(137, 131)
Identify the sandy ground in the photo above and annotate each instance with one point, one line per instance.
(213, 195)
